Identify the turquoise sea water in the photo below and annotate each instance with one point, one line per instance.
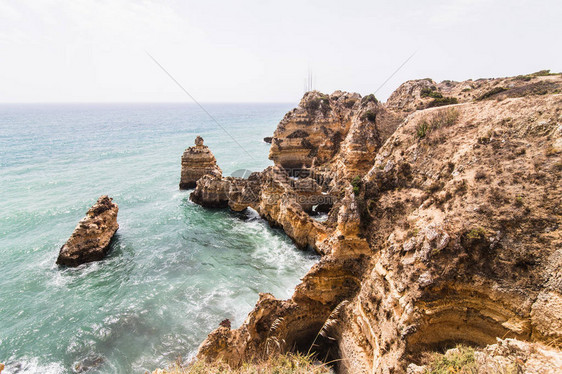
(175, 270)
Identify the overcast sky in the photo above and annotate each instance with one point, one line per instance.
(261, 50)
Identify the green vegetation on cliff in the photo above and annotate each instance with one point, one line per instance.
(276, 364)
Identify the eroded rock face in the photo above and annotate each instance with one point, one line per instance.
(333, 136)
(445, 224)
(465, 225)
(91, 237)
(196, 162)
(312, 132)
(211, 191)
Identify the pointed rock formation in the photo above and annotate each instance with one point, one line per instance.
(90, 239)
(196, 162)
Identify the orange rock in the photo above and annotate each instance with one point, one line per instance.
(91, 237)
(196, 162)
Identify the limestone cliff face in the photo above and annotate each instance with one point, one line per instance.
(323, 126)
(464, 223)
(91, 237)
(444, 226)
(196, 162)
(311, 133)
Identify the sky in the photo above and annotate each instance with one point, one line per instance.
(261, 51)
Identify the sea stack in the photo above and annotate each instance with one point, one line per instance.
(196, 162)
(90, 239)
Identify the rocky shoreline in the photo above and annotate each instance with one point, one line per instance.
(444, 223)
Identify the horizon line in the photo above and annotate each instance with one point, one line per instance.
(141, 102)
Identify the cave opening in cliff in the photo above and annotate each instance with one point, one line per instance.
(323, 348)
(461, 325)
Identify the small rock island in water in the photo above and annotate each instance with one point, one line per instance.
(90, 239)
(196, 162)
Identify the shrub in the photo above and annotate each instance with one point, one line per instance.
(460, 360)
(476, 233)
(542, 73)
(442, 118)
(425, 92)
(291, 363)
(422, 129)
(369, 98)
(428, 92)
(528, 77)
(370, 116)
(492, 92)
(356, 183)
(441, 101)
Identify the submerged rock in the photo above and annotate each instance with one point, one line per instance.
(90, 239)
(196, 162)
(88, 363)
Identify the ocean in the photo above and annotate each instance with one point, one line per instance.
(175, 269)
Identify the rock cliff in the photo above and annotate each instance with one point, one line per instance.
(196, 162)
(338, 132)
(91, 237)
(444, 223)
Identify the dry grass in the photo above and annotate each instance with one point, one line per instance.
(292, 363)
(460, 360)
(440, 119)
